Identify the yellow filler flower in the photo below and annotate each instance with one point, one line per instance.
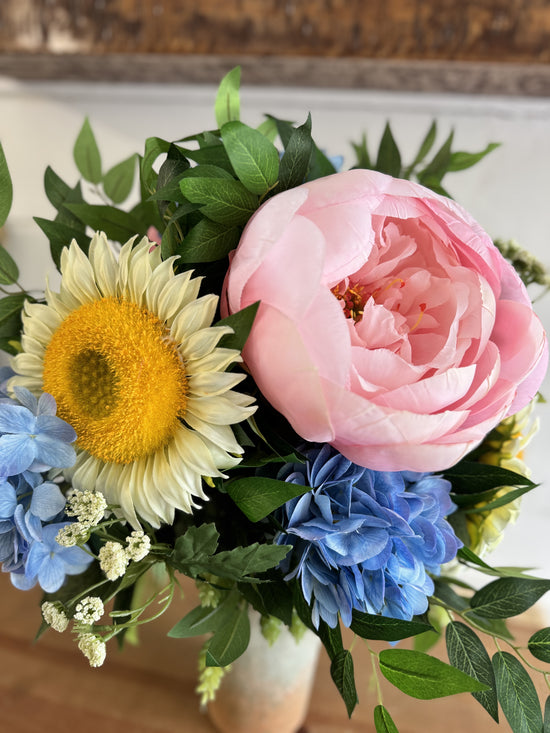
(129, 353)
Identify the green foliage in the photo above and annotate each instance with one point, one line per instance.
(9, 272)
(296, 158)
(119, 179)
(257, 496)
(10, 320)
(117, 224)
(424, 677)
(227, 106)
(389, 158)
(86, 154)
(467, 653)
(6, 188)
(383, 721)
(341, 671)
(60, 236)
(516, 694)
(228, 645)
(369, 626)
(508, 597)
(539, 644)
(270, 599)
(254, 159)
(208, 241)
(241, 323)
(224, 201)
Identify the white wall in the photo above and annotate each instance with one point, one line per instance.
(508, 193)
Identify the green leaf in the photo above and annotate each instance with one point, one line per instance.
(193, 547)
(270, 599)
(268, 128)
(438, 166)
(9, 271)
(319, 165)
(208, 241)
(254, 158)
(508, 597)
(383, 721)
(389, 158)
(86, 154)
(506, 498)
(369, 626)
(362, 153)
(295, 161)
(200, 621)
(467, 653)
(241, 323)
(154, 146)
(228, 106)
(257, 496)
(284, 129)
(241, 563)
(231, 640)
(425, 147)
(424, 677)
(461, 160)
(60, 193)
(539, 644)
(341, 671)
(331, 639)
(60, 236)
(226, 202)
(516, 694)
(472, 477)
(118, 181)
(10, 316)
(117, 225)
(546, 728)
(6, 188)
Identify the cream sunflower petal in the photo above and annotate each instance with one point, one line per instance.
(104, 265)
(201, 343)
(78, 275)
(217, 410)
(193, 317)
(221, 435)
(210, 384)
(193, 452)
(28, 365)
(217, 360)
(172, 297)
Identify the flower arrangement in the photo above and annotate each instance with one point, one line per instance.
(307, 390)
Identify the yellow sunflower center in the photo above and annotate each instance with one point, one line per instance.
(118, 379)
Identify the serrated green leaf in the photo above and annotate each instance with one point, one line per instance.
(60, 236)
(254, 159)
(118, 181)
(424, 677)
(270, 599)
(192, 548)
(462, 160)
(516, 694)
(208, 241)
(257, 496)
(331, 638)
(383, 721)
(295, 161)
(467, 653)
(9, 272)
(214, 155)
(472, 477)
(539, 644)
(425, 147)
(224, 201)
(200, 620)
(241, 323)
(228, 105)
(341, 671)
(6, 188)
(508, 597)
(369, 626)
(231, 641)
(389, 158)
(86, 154)
(242, 563)
(117, 225)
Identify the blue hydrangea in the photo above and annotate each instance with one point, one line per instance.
(33, 440)
(365, 540)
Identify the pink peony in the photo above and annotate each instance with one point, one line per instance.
(390, 326)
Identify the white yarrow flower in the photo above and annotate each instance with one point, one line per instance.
(93, 648)
(139, 545)
(55, 616)
(113, 560)
(72, 534)
(87, 506)
(89, 610)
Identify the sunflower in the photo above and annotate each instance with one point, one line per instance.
(129, 353)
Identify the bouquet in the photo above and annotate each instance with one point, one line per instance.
(308, 390)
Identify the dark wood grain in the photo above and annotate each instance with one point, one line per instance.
(469, 30)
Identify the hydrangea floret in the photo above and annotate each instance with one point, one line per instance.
(365, 540)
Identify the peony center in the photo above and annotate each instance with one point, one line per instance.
(118, 379)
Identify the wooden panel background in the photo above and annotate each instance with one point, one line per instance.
(411, 43)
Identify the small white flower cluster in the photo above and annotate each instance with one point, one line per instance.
(93, 648)
(89, 610)
(89, 508)
(114, 557)
(55, 616)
